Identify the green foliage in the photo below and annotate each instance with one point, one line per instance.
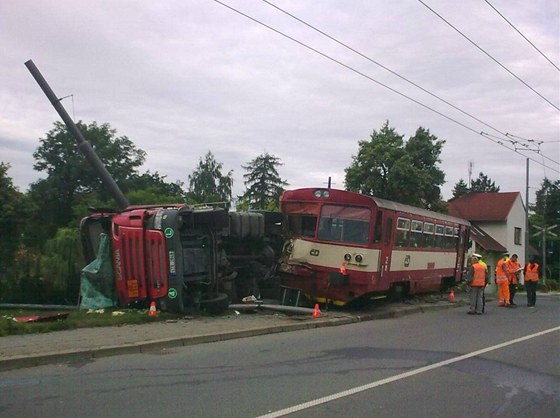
(70, 178)
(263, 184)
(388, 167)
(207, 183)
(12, 218)
(61, 265)
(461, 188)
(75, 319)
(547, 214)
(151, 188)
(483, 184)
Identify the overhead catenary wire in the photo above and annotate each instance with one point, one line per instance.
(519, 32)
(384, 67)
(374, 80)
(490, 56)
(515, 143)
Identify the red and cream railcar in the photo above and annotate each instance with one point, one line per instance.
(344, 245)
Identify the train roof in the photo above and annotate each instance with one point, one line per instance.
(353, 198)
(401, 207)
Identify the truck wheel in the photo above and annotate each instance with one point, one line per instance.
(214, 303)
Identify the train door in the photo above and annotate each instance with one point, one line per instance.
(461, 247)
(386, 249)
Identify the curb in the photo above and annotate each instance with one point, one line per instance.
(73, 356)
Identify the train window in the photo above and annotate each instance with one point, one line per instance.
(416, 234)
(403, 232)
(428, 236)
(439, 241)
(378, 226)
(344, 224)
(449, 237)
(388, 230)
(301, 225)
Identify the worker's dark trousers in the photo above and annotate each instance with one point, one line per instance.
(512, 290)
(531, 288)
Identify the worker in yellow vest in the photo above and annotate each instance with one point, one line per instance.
(531, 274)
(477, 278)
(502, 281)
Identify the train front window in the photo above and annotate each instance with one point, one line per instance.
(344, 224)
(301, 219)
(301, 225)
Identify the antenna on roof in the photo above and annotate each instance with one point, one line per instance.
(471, 165)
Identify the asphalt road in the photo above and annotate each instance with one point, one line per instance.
(435, 364)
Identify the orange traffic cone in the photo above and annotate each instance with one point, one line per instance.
(452, 296)
(152, 311)
(316, 311)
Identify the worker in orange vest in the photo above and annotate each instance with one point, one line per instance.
(514, 270)
(502, 281)
(531, 275)
(477, 278)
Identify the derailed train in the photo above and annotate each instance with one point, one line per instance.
(343, 246)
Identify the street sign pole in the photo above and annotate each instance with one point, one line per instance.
(546, 230)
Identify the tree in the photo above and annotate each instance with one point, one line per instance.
(461, 188)
(389, 168)
(70, 178)
(263, 183)
(483, 184)
(12, 218)
(547, 214)
(207, 183)
(151, 188)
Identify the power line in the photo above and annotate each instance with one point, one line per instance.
(374, 80)
(402, 77)
(490, 56)
(384, 67)
(524, 37)
(527, 147)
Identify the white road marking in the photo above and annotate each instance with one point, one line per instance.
(381, 382)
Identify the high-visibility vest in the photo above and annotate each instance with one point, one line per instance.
(479, 276)
(532, 273)
(501, 276)
(511, 267)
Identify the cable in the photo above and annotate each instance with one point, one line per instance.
(526, 146)
(384, 67)
(372, 79)
(391, 71)
(524, 37)
(490, 56)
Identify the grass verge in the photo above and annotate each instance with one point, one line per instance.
(75, 319)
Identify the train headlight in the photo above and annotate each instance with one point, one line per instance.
(347, 257)
(359, 258)
(321, 193)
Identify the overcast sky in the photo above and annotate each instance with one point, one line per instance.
(180, 78)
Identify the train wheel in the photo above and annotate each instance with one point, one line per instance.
(214, 303)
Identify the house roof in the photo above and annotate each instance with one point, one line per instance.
(485, 240)
(486, 206)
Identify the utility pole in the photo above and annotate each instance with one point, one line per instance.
(527, 212)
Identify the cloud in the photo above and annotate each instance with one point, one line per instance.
(180, 78)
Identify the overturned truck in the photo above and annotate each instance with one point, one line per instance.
(181, 256)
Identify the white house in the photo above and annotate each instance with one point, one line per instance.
(498, 224)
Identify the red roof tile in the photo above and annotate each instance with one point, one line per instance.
(488, 206)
